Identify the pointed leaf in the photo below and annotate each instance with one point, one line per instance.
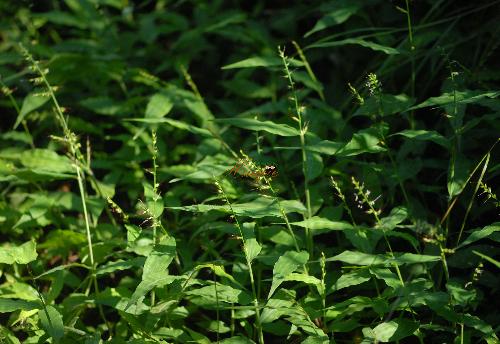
(52, 322)
(158, 106)
(256, 125)
(32, 102)
(481, 234)
(285, 265)
(261, 61)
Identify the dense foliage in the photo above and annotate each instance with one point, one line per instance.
(249, 171)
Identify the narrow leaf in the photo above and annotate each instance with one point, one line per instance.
(256, 125)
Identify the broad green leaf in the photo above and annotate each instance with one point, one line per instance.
(22, 254)
(397, 215)
(251, 246)
(481, 234)
(9, 305)
(489, 259)
(325, 147)
(225, 293)
(32, 102)
(261, 61)
(281, 303)
(386, 105)
(256, 125)
(158, 106)
(285, 265)
(460, 97)
(319, 225)
(390, 278)
(384, 331)
(358, 258)
(237, 340)
(460, 295)
(394, 330)
(159, 259)
(343, 11)
(425, 135)
(364, 141)
(357, 41)
(412, 258)
(46, 160)
(349, 279)
(314, 165)
(155, 268)
(52, 322)
(258, 208)
(120, 265)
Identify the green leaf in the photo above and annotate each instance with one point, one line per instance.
(52, 322)
(32, 102)
(261, 61)
(357, 41)
(258, 208)
(46, 160)
(314, 165)
(252, 247)
(286, 264)
(460, 97)
(458, 174)
(481, 234)
(389, 104)
(158, 106)
(489, 259)
(349, 279)
(364, 141)
(120, 265)
(325, 147)
(425, 135)
(394, 330)
(319, 225)
(22, 254)
(397, 215)
(174, 123)
(359, 258)
(343, 12)
(384, 331)
(387, 276)
(256, 125)
(155, 268)
(9, 305)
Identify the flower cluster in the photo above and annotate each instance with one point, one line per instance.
(256, 172)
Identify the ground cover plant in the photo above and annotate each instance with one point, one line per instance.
(249, 172)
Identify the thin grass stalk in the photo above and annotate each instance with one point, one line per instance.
(248, 262)
(302, 132)
(71, 139)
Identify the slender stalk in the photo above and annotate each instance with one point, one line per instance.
(412, 59)
(302, 132)
(77, 158)
(308, 68)
(248, 262)
(485, 167)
